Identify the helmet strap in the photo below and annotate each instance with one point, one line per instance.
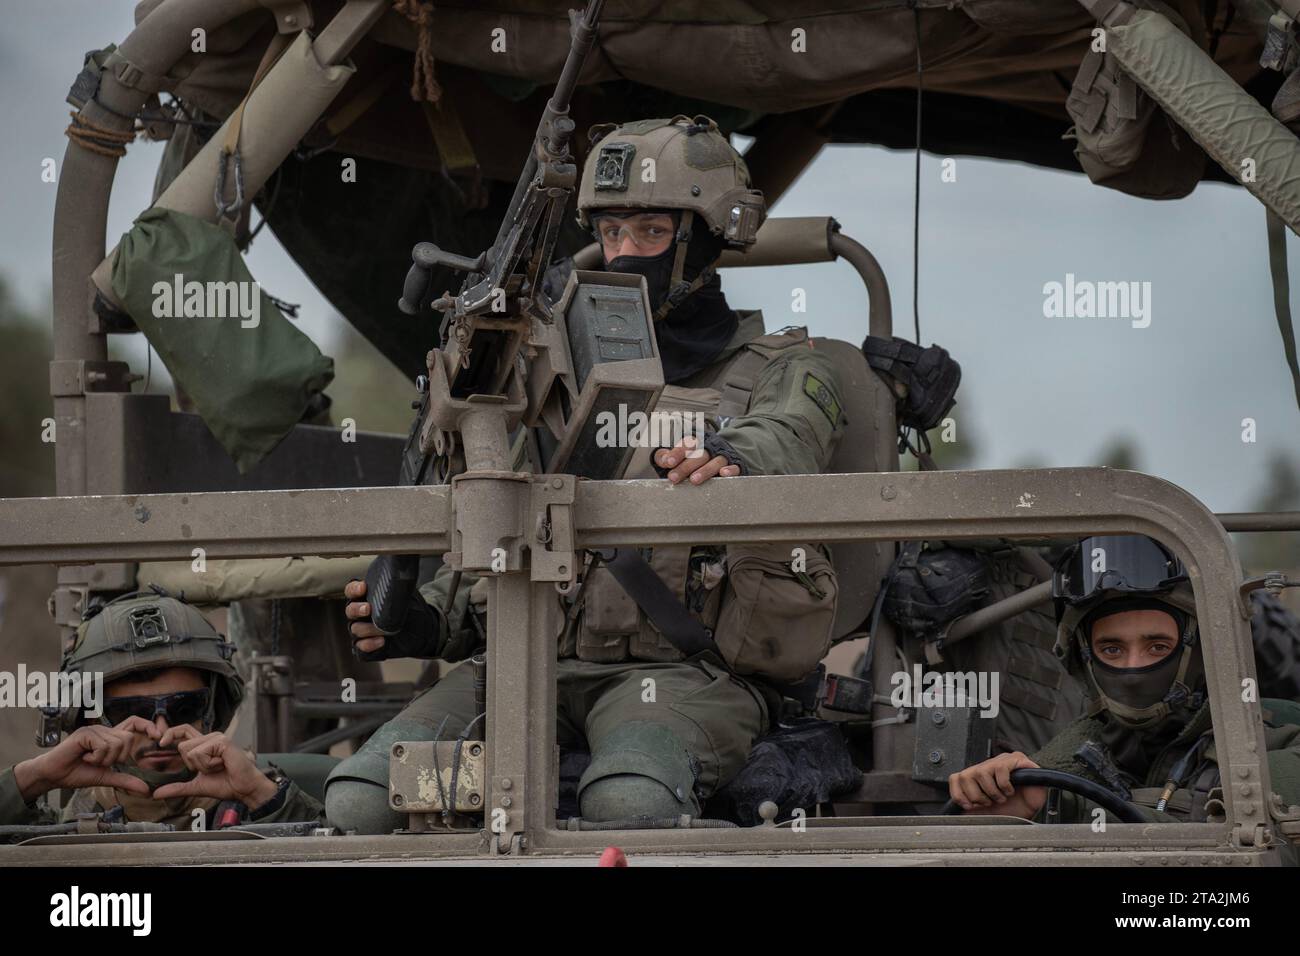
(678, 290)
(210, 718)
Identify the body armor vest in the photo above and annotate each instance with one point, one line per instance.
(610, 627)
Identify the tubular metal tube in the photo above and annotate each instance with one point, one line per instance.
(799, 238)
(81, 207)
(80, 227)
(1261, 521)
(998, 612)
(881, 322)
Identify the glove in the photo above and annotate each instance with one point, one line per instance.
(420, 634)
(714, 445)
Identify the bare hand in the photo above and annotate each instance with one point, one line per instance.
(365, 636)
(986, 788)
(223, 770)
(86, 759)
(687, 458)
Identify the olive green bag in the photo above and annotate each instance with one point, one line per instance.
(1123, 140)
(250, 372)
(775, 622)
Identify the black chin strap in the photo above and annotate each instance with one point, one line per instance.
(678, 289)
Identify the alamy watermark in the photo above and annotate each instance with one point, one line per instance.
(74, 908)
(946, 689)
(179, 299)
(83, 691)
(1085, 299)
(636, 429)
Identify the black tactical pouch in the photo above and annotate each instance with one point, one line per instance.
(934, 588)
(925, 380)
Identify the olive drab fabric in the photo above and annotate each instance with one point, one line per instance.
(771, 615)
(743, 59)
(242, 579)
(123, 807)
(1123, 139)
(775, 400)
(740, 53)
(250, 372)
(715, 717)
(1144, 763)
(777, 622)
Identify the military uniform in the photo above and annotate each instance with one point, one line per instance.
(118, 806)
(774, 400)
(1145, 761)
(137, 633)
(1150, 725)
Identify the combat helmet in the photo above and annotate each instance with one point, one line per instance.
(682, 164)
(1110, 574)
(145, 630)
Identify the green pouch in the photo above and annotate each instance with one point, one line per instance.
(250, 372)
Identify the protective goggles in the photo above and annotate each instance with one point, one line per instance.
(1130, 563)
(650, 232)
(185, 707)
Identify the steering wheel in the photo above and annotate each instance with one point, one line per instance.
(1072, 783)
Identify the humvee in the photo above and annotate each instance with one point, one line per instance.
(261, 113)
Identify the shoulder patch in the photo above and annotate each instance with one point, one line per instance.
(822, 397)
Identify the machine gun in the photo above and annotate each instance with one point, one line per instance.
(507, 356)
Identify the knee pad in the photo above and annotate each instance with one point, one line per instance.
(642, 769)
(356, 791)
(361, 807)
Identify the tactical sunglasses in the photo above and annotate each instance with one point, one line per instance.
(1124, 562)
(646, 229)
(185, 707)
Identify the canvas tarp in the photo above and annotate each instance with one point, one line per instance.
(763, 55)
(221, 581)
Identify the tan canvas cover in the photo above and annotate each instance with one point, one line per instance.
(223, 581)
(740, 52)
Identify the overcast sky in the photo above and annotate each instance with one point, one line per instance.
(1051, 391)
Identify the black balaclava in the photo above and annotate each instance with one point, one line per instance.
(697, 329)
(1160, 698)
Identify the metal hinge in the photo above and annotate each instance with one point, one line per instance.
(1251, 835)
(550, 539)
(514, 848)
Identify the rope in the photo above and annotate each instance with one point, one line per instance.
(100, 140)
(423, 84)
(916, 201)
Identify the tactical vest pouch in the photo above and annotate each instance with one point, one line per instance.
(1123, 140)
(925, 380)
(774, 622)
(935, 587)
(609, 619)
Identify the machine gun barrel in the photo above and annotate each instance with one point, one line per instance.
(557, 105)
(554, 130)
(480, 357)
